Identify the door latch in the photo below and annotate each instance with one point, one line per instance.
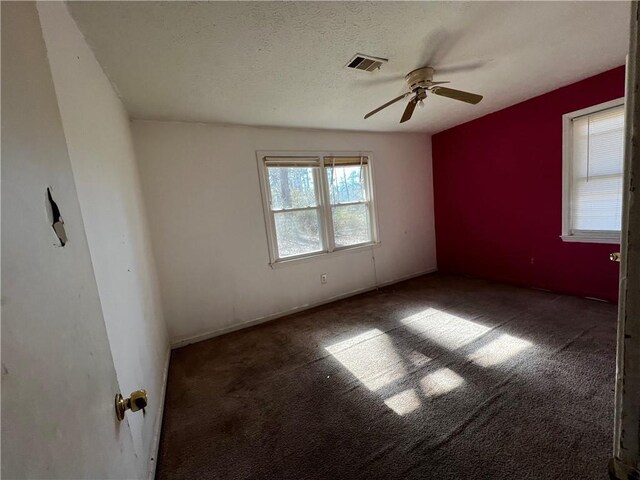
(137, 401)
(615, 256)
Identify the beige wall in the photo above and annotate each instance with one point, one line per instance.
(96, 128)
(206, 217)
(58, 378)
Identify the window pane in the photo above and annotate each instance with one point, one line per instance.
(597, 164)
(351, 225)
(597, 204)
(346, 184)
(297, 232)
(599, 143)
(291, 187)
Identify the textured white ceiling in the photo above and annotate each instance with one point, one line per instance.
(282, 63)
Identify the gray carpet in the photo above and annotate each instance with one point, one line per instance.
(439, 377)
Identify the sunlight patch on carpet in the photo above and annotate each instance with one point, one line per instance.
(445, 329)
(371, 357)
(404, 402)
(499, 350)
(440, 382)
(418, 359)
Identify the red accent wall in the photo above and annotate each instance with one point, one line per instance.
(498, 196)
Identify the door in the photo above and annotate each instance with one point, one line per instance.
(626, 450)
(58, 377)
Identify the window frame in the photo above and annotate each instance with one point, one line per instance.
(322, 193)
(581, 236)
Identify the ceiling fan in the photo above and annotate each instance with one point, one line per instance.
(420, 83)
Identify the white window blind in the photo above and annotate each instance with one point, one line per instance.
(596, 171)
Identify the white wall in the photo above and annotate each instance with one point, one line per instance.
(206, 218)
(100, 147)
(58, 379)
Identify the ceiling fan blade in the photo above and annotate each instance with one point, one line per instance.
(457, 94)
(433, 84)
(379, 80)
(411, 106)
(461, 67)
(397, 99)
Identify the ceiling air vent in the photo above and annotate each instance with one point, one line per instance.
(366, 62)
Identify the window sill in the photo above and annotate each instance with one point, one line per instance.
(595, 238)
(327, 255)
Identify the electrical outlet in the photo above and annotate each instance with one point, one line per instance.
(323, 278)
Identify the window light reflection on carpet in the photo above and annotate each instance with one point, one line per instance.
(499, 350)
(404, 402)
(445, 329)
(371, 357)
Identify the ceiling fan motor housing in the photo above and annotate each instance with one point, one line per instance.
(421, 77)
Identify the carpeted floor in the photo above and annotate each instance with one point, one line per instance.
(440, 377)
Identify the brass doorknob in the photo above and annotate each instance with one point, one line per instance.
(137, 401)
(615, 256)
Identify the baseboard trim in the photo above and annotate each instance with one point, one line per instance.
(155, 445)
(256, 321)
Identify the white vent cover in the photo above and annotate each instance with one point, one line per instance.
(366, 62)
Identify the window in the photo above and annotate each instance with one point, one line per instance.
(593, 173)
(316, 204)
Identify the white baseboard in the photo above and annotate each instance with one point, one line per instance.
(256, 321)
(155, 445)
